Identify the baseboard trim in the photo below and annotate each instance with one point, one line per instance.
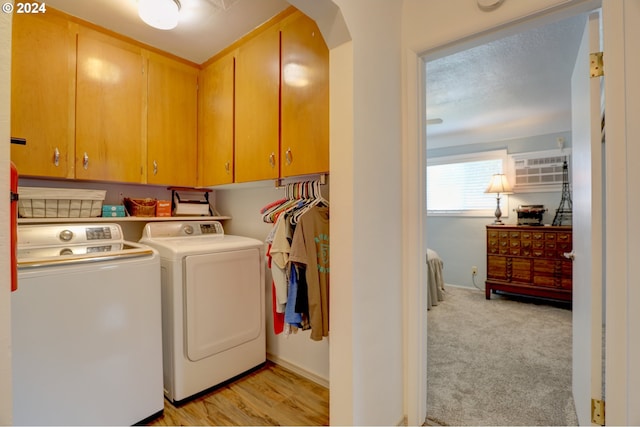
(298, 370)
(469, 288)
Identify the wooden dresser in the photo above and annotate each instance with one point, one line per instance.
(529, 260)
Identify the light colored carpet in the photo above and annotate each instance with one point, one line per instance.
(498, 362)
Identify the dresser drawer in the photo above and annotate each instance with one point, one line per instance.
(497, 267)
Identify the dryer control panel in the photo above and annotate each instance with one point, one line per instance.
(182, 229)
(211, 228)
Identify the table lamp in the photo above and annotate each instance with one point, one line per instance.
(499, 184)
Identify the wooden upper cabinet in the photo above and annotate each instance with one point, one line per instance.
(215, 121)
(96, 106)
(172, 122)
(305, 99)
(111, 91)
(43, 95)
(257, 107)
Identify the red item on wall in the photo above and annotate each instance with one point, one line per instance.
(278, 318)
(14, 227)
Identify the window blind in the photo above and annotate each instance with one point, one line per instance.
(456, 185)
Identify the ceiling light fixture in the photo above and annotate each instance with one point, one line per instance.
(160, 14)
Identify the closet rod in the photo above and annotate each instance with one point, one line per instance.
(279, 182)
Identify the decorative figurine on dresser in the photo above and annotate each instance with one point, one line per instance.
(529, 260)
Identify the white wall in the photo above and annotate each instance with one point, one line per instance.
(341, 399)
(5, 294)
(367, 219)
(622, 44)
(632, 69)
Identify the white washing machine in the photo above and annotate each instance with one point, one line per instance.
(86, 327)
(213, 315)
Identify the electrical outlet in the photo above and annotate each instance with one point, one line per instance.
(474, 270)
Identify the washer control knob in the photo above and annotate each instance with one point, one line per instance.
(188, 229)
(66, 235)
(66, 251)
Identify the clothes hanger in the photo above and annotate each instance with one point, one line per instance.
(302, 200)
(292, 193)
(315, 200)
(268, 215)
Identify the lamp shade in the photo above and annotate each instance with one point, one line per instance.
(161, 14)
(499, 184)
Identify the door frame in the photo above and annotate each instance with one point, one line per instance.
(622, 348)
(415, 188)
(588, 224)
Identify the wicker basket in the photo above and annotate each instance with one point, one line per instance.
(40, 202)
(140, 207)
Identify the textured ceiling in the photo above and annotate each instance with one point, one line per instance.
(514, 87)
(205, 26)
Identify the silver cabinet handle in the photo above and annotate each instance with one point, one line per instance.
(85, 161)
(272, 160)
(288, 156)
(155, 167)
(227, 168)
(570, 255)
(56, 157)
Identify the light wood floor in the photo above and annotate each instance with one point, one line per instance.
(271, 395)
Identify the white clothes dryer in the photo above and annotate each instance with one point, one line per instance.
(213, 304)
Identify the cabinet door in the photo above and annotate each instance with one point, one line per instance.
(172, 122)
(257, 108)
(43, 95)
(305, 99)
(110, 91)
(215, 124)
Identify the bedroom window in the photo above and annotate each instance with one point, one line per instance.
(456, 184)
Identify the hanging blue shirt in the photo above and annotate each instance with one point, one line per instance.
(290, 315)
